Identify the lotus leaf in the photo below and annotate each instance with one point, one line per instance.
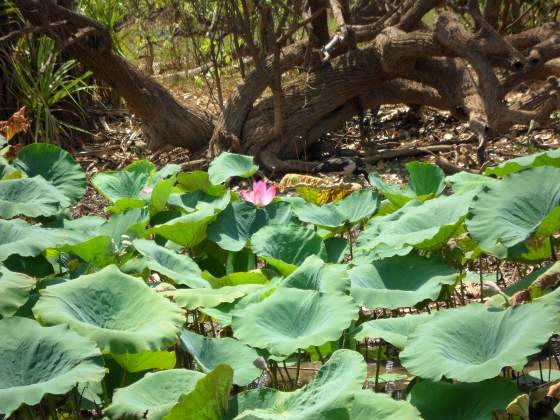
(358, 206)
(327, 396)
(236, 279)
(188, 230)
(393, 330)
(234, 227)
(117, 185)
(31, 197)
(196, 298)
(140, 362)
(315, 274)
(426, 181)
(160, 194)
(462, 401)
(199, 181)
(23, 239)
(399, 281)
(548, 158)
(208, 400)
(119, 312)
(474, 343)
(199, 200)
(14, 291)
(292, 319)
(463, 182)
(56, 165)
(368, 405)
(211, 352)
(506, 214)
(178, 267)
(35, 361)
(287, 246)
(156, 393)
(230, 164)
(426, 226)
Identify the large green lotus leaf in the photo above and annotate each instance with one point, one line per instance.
(393, 330)
(426, 181)
(466, 181)
(129, 183)
(56, 165)
(178, 267)
(98, 251)
(315, 274)
(475, 342)
(140, 362)
(230, 164)
(234, 227)
(160, 194)
(462, 401)
(209, 298)
(368, 405)
(208, 400)
(25, 240)
(35, 361)
(506, 214)
(200, 200)
(327, 396)
(156, 393)
(31, 197)
(131, 222)
(399, 281)
(292, 319)
(8, 171)
(426, 226)
(199, 181)
(549, 158)
(356, 207)
(14, 291)
(236, 279)
(223, 313)
(119, 312)
(287, 246)
(188, 230)
(211, 352)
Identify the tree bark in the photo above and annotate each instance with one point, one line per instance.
(399, 60)
(165, 120)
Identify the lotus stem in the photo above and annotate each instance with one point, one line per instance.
(282, 378)
(349, 233)
(377, 366)
(74, 402)
(287, 372)
(297, 369)
(481, 280)
(320, 355)
(552, 250)
(540, 371)
(272, 373)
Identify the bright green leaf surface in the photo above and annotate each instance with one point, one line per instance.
(35, 361)
(292, 319)
(230, 164)
(474, 343)
(461, 401)
(119, 312)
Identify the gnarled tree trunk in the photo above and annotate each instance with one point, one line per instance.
(391, 57)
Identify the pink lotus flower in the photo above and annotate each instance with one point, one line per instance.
(260, 196)
(146, 191)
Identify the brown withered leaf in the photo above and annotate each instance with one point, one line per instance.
(17, 123)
